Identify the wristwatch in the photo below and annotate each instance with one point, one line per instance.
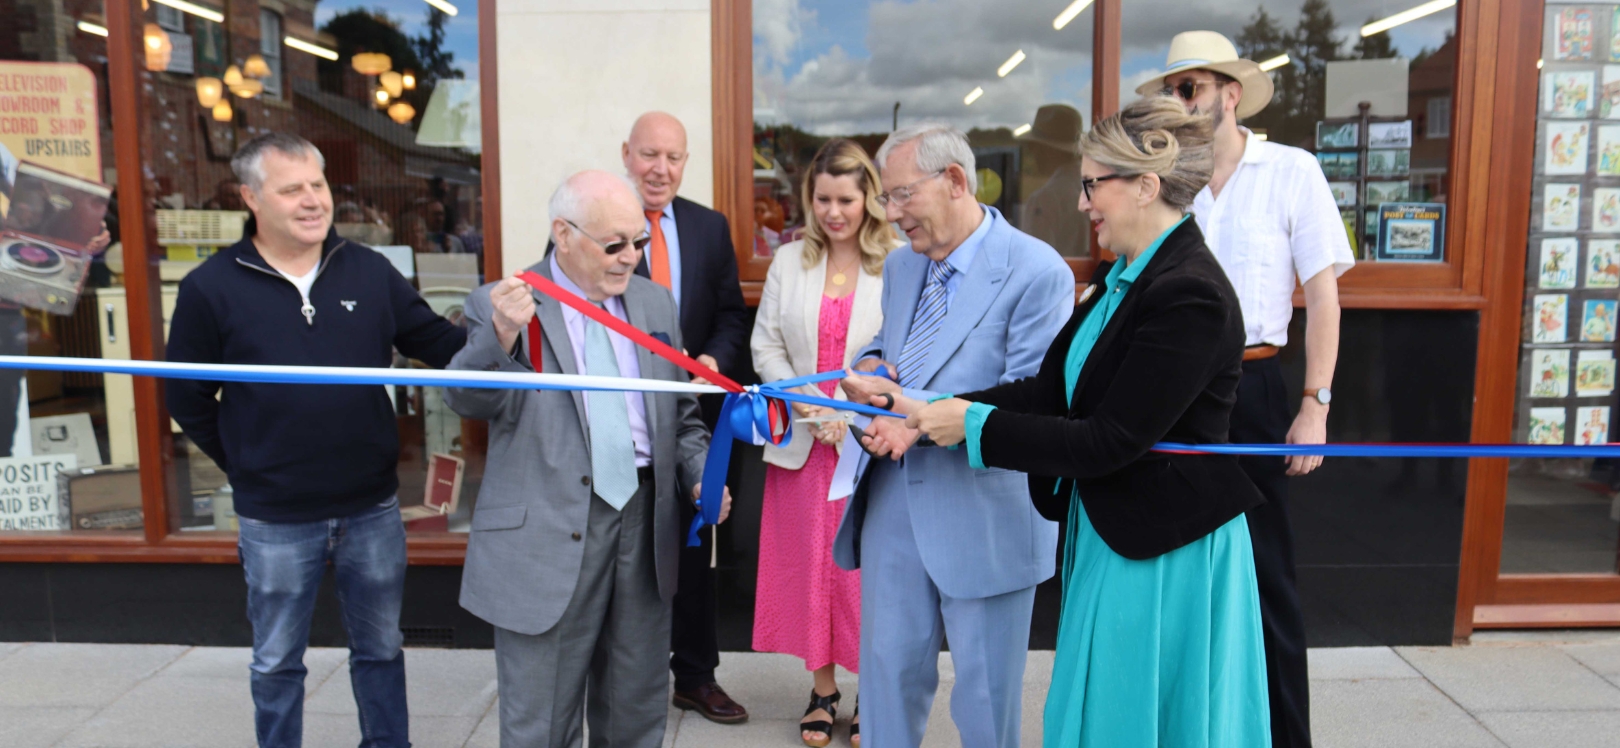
(1322, 395)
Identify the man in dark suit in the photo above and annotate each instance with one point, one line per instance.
(691, 254)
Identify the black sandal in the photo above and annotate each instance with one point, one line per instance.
(829, 704)
(855, 727)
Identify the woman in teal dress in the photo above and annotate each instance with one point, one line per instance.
(1159, 643)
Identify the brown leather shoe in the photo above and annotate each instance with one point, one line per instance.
(712, 702)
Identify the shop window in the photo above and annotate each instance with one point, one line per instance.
(1002, 72)
(1563, 516)
(59, 255)
(418, 204)
(1351, 88)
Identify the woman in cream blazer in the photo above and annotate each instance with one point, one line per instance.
(822, 303)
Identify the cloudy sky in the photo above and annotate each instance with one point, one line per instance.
(460, 33)
(839, 66)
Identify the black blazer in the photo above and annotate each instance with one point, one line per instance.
(714, 319)
(1166, 368)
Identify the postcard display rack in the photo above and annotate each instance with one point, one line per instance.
(1368, 163)
(1572, 274)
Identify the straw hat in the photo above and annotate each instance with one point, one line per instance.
(1057, 126)
(1207, 50)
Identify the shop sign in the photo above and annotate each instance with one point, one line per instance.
(29, 497)
(48, 117)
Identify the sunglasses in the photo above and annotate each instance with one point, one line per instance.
(1087, 184)
(1186, 89)
(640, 243)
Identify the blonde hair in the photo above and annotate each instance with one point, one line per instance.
(1156, 135)
(843, 157)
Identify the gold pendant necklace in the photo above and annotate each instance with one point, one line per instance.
(839, 278)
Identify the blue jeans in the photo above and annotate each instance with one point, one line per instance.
(284, 563)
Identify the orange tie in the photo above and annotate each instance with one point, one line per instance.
(658, 261)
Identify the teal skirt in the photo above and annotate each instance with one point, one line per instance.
(1162, 652)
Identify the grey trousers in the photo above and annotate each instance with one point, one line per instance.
(606, 658)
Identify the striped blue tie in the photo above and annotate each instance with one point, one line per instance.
(931, 309)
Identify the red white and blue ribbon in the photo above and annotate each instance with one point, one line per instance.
(749, 412)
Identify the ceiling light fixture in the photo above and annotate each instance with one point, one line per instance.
(1012, 62)
(1069, 13)
(1273, 63)
(443, 5)
(973, 96)
(314, 49)
(194, 9)
(1406, 16)
(1021, 129)
(90, 28)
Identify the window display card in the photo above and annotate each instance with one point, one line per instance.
(1388, 192)
(1372, 222)
(1546, 426)
(1412, 232)
(1609, 147)
(1566, 148)
(1597, 321)
(1594, 373)
(1614, 35)
(1549, 373)
(1551, 317)
(1389, 162)
(1609, 94)
(1390, 134)
(1344, 193)
(1568, 93)
(1330, 135)
(1339, 165)
(1592, 425)
(30, 498)
(1603, 263)
(1559, 201)
(1558, 262)
(1606, 210)
(1574, 29)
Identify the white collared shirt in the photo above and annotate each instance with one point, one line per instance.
(1274, 222)
(623, 350)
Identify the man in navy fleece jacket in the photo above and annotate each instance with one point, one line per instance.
(312, 466)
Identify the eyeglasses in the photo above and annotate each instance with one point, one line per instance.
(1186, 89)
(639, 243)
(902, 195)
(1087, 184)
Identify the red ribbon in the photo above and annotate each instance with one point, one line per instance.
(549, 288)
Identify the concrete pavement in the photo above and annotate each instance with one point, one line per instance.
(1519, 690)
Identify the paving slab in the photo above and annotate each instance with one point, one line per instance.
(1603, 658)
(91, 675)
(233, 662)
(1358, 663)
(1395, 713)
(39, 726)
(446, 683)
(488, 732)
(7, 648)
(1484, 679)
(1561, 729)
(426, 732)
(173, 712)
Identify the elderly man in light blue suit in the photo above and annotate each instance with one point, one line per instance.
(945, 550)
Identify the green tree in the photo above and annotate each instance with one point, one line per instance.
(1315, 46)
(362, 30)
(437, 62)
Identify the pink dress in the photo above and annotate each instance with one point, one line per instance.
(805, 605)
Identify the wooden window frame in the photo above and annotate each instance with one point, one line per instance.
(160, 541)
(1456, 283)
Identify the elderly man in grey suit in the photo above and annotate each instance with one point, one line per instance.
(574, 546)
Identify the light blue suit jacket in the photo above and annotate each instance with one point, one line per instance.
(976, 530)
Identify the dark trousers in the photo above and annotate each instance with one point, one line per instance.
(693, 644)
(1262, 416)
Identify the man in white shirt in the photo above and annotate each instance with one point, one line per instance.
(1270, 218)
